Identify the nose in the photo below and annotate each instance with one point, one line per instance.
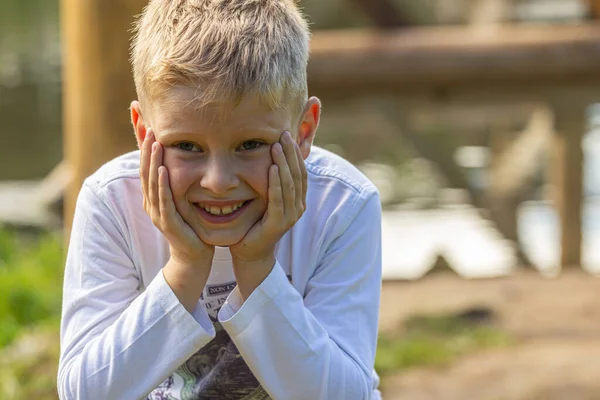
(219, 176)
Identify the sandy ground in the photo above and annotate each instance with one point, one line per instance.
(556, 324)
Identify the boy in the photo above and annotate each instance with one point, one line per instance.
(248, 266)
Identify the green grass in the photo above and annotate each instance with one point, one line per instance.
(28, 367)
(434, 340)
(30, 283)
(31, 273)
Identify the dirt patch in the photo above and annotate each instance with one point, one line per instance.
(555, 322)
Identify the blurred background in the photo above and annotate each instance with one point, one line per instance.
(476, 119)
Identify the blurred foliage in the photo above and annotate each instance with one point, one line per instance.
(30, 283)
(31, 271)
(28, 367)
(434, 340)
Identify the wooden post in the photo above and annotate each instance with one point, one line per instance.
(593, 8)
(567, 171)
(98, 86)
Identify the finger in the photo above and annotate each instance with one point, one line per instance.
(275, 206)
(289, 149)
(165, 198)
(176, 228)
(166, 207)
(293, 160)
(145, 153)
(155, 162)
(303, 178)
(288, 189)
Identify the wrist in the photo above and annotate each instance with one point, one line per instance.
(260, 263)
(196, 260)
(186, 280)
(186, 273)
(250, 274)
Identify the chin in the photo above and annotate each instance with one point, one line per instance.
(222, 240)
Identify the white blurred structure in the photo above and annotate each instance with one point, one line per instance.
(412, 239)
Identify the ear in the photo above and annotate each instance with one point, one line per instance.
(308, 125)
(137, 120)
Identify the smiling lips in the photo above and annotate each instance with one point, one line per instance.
(221, 212)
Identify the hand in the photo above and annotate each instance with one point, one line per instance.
(286, 204)
(188, 252)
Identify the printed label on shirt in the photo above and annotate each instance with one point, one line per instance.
(217, 290)
(213, 306)
(216, 297)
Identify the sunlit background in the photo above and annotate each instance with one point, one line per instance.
(475, 147)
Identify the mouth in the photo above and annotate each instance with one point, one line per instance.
(221, 213)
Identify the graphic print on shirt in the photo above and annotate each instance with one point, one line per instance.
(217, 371)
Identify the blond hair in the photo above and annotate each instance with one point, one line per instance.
(223, 48)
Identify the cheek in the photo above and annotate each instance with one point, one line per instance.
(180, 175)
(256, 174)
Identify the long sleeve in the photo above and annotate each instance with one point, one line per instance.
(118, 342)
(321, 345)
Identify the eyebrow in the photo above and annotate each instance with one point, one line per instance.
(167, 134)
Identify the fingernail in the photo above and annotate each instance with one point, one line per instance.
(277, 148)
(287, 136)
(154, 147)
(150, 134)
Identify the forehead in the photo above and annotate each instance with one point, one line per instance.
(177, 112)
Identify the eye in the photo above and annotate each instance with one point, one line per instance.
(187, 146)
(251, 145)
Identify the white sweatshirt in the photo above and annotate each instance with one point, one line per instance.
(309, 331)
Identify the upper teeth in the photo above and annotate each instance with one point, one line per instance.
(221, 210)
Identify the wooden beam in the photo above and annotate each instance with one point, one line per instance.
(516, 159)
(98, 86)
(440, 58)
(383, 13)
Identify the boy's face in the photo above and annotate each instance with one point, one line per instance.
(216, 164)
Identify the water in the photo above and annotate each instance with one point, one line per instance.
(413, 239)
